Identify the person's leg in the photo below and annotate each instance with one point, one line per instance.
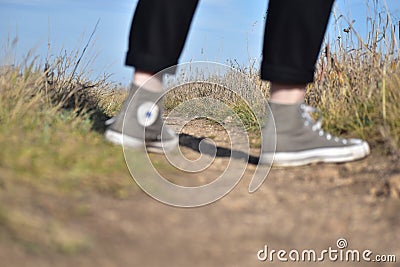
(287, 93)
(293, 36)
(158, 33)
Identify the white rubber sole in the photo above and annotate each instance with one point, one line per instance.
(136, 143)
(328, 155)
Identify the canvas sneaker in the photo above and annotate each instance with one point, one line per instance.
(301, 141)
(140, 121)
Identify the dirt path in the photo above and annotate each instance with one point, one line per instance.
(298, 208)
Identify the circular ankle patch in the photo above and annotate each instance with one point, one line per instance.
(147, 113)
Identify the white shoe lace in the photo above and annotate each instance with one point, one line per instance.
(306, 112)
(110, 121)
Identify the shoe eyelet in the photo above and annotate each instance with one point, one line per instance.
(328, 137)
(321, 133)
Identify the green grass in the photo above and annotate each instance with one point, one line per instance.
(38, 234)
(52, 147)
(44, 143)
(64, 158)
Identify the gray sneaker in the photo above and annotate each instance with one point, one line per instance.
(143, 123)
(301, 141)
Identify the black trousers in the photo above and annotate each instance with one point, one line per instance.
(293, 35)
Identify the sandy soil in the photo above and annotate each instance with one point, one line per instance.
(300, 208)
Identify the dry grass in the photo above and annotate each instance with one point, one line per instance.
(51, 140)
(54, 131)
(356, 85)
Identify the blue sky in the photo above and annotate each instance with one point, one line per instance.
(222, 29)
